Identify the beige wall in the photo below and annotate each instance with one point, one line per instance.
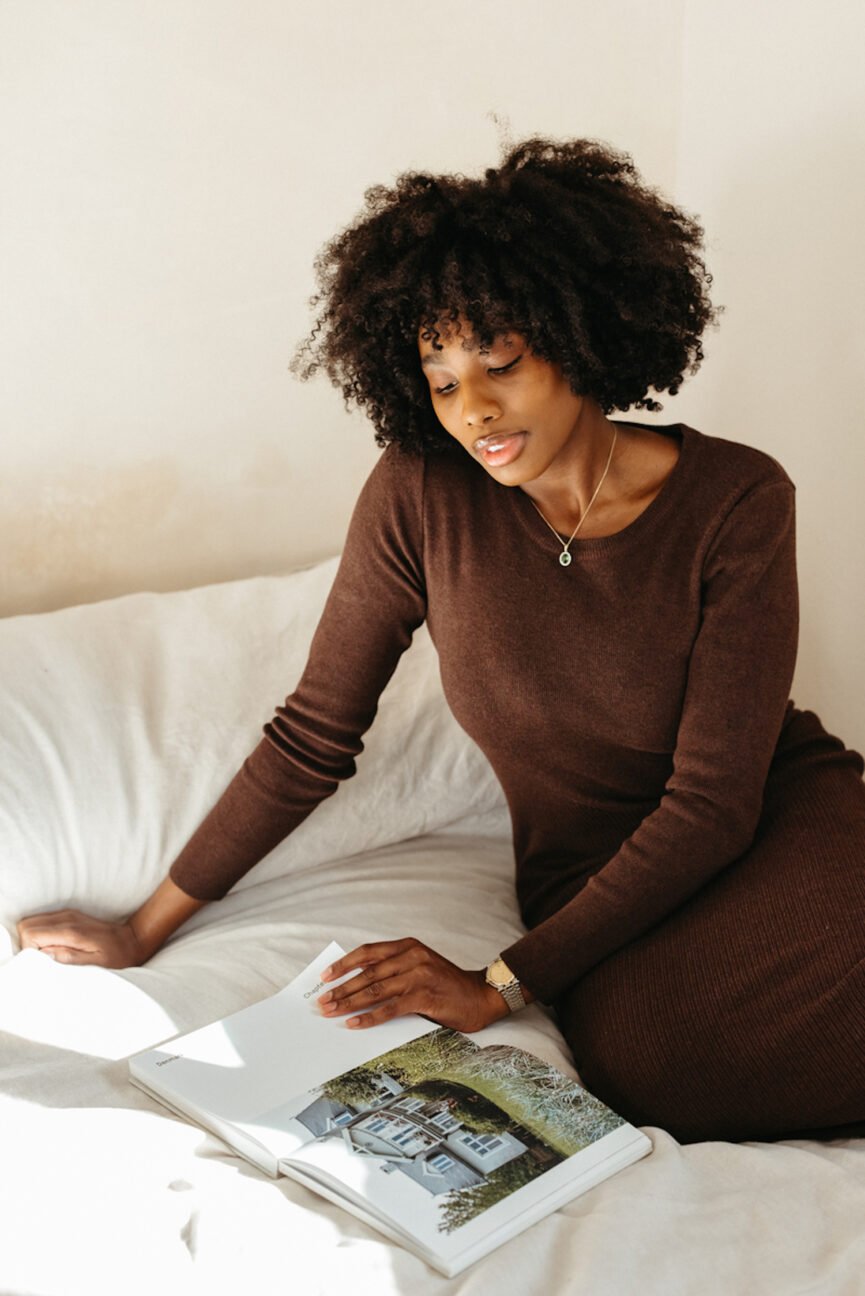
(171, 166)
(771, 149)
(170, 169)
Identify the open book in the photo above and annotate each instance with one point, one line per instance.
(447, 1148)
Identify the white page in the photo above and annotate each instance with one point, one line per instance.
(253, 1062)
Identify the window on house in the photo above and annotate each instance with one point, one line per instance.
(445, 1121)
(481, 1144)
(440, 1161)
(405, 1137)
(409, 1104)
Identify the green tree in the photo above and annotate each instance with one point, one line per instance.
(425, 1058)
(357, 1088)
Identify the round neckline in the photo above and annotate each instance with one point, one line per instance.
(589, 545)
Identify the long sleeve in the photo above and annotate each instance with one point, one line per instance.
(377, 601)
(738, 684)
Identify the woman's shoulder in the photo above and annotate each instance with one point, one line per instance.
(728, 461)
(396, 481)
(734, 493)
(388, 512)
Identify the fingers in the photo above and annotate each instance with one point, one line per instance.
(57, 939)
(52, 921)
(380, 963)
(52, 930)
(397, 977)
(27, 938)
(375, 1016)
(367, 955)
(362, 992)
(63, 954)
(52, 918)
(383, 977)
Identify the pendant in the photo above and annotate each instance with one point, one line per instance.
(565, 558)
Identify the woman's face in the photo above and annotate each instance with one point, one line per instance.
(513, 412)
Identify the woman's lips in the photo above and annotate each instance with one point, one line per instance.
(500, 448)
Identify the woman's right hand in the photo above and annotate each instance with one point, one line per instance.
(69, 936)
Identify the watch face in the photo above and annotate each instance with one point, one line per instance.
(499, 973)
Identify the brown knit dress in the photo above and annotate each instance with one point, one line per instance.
(690, 847)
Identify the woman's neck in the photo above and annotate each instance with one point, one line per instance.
(570, 485)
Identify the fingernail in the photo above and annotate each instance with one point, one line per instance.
(326, 974)
(325, 998)
(353, 1021)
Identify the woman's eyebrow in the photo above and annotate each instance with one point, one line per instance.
(436, 358)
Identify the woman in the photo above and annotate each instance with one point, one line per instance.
(615, 611)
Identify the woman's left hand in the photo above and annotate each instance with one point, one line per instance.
(405, 976)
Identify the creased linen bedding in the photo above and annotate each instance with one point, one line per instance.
(121, 723)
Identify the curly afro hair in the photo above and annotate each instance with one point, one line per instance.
(562, 243)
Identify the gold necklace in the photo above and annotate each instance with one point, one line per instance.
(565, 557)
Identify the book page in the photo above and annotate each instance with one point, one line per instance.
(246, 1069)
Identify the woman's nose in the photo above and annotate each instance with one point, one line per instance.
(480, 408)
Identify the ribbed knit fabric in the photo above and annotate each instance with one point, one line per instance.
(743, 1014)
(689, 845)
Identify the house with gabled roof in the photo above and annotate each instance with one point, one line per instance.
(419, 1137)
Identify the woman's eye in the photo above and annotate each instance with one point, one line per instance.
(447, 388)
(502, 369)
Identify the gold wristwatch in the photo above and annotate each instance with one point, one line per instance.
(501, 978)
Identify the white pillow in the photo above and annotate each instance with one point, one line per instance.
(123, 721)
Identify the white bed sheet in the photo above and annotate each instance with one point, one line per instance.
(103, 1191)
(120, 724)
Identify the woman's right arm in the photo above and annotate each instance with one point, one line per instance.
(377, 601)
